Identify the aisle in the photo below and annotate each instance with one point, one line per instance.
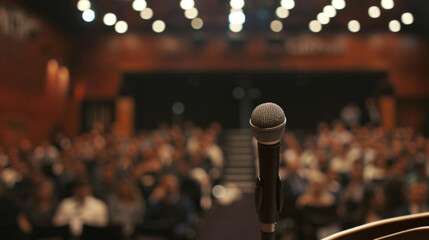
(237, 221)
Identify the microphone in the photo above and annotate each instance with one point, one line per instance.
(268, 123)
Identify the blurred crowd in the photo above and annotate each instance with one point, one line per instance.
(156, 182)
(347, 174)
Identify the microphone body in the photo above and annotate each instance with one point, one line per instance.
(268, 182)
(268, 123)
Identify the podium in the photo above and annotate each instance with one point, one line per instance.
(415, 227)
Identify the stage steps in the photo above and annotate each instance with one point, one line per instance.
(240, 159)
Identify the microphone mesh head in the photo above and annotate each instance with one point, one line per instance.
(268, 123)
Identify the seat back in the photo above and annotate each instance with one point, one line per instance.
(57, 232)
(420, 233)
(105, 233)
(382, 228)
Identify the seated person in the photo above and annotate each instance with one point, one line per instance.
(82, 208)
(317, 194)
(41, 206)
(126, 206)
(417, 199)
(168, 211)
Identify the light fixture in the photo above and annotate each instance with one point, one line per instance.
(197, 23)
(282, 12)
(276, 26)
(374, 12)
(315, 26)
(187, 4)
(237, 4)
(354, 26)
(237, 17)
(288, 4)
(88, 15)
(387, 4)
(339, 4)
(394, 26)
(139, 5)
(109, 19)
(191, 13)
(330, 11)
(407, 18)
(158, 26)
(322, 18)
(121, 27)
(146, 14)
(235, 27)
(83, 5)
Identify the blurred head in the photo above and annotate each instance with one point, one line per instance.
(44, 191)
(82, 189)
(317, 183)
(126, 189)
(373, 198)
(418, 192)
(170, 184)
(357, 171)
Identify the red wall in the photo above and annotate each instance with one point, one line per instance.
(26, 111)
(403, 56)
(98, 62)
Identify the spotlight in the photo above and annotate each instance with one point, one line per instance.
(339, 4)
(191, 13)
(139, 5)
(322, 18)
(234, 27)
(237, 4)
(407, 18)
(394, 26)
(109, 19)
(387, 4)
(83, 5)
(187, 4)
(88, 15)
(276, 26)
(374, 12)
(354, 26)
(146, 14)
(237, 18)
(315, 26)
(288, 4)
(282, 12)
(330, 11)
(158, 26)
(121, 27)
(197, 23)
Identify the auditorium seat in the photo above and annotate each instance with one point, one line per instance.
(420, 233)
(105, 233)
(57, 232)
(384, 228)
(317, 220)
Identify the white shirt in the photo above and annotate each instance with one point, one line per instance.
(91, 211)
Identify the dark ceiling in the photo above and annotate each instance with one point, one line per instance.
(259, 14)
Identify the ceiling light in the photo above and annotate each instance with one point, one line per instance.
(315, 26)
(109, 19)
(158, 26)
(121, 27)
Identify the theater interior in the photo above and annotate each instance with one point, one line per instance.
(129, 119)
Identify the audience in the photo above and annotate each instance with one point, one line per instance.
(366, 172)
(160, 180)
